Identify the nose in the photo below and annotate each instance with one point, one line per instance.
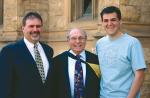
(109, 22)
(77, 40)
(35, 28)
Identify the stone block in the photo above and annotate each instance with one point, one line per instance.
(57, 22)
(145, 90)
(56, 8)
(124, 2)
(147, 76)
(145, 13)
(10, 24)
(147, 55)
(130, 13)
(139, 2)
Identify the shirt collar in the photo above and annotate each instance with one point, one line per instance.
(29, 44)
(82, 54)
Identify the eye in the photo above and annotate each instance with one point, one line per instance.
(73, 38)
(31, 26)
(81, 38)
(105, 20)
(114, 19)
(38, 26)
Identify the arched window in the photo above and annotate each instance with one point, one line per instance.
(1, 12)
(83, 9)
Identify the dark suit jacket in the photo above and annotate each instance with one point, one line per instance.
(62, 78)
(19, 76)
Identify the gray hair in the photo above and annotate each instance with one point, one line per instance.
(82, 31)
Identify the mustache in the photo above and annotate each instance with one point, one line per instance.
(35, 32)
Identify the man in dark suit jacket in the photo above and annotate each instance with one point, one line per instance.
(19, 74)
(65, 68)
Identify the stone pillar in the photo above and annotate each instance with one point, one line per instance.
(10, 20)
(56, 15)
(1, 12)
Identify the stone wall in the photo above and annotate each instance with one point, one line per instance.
(136, 11)
(40, 6)
(132, 11)
(146, 86)
(56, 15)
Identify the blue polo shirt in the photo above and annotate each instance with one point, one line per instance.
(119, 59)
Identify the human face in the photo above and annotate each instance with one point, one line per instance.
(77, 41)
(111, 24)
(32, 30)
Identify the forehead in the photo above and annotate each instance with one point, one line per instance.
(33, 21)
(76, 32)
(110, 15)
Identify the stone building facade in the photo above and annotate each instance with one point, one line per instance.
(61, 15)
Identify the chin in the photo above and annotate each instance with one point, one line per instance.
(35, 41)
(35, 38)
(110, 33)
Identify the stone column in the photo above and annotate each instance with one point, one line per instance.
(10, 20)
(1, 12)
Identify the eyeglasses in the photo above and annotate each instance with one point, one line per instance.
(79, 38)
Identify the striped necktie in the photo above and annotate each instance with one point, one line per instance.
(39, 63)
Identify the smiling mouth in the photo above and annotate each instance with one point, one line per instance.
(34, 33)
(78, 45)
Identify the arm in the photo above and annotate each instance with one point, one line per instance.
(137, 83)
(5, 74)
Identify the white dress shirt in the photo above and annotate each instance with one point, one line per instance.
(30, 47)
(71, 69)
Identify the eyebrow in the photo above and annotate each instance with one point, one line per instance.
(110, 19)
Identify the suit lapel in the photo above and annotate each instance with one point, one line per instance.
(66, 79)
(29, 62)
(48, 58)
(87, 82)
(25, 53)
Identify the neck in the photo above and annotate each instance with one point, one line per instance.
(117, 35)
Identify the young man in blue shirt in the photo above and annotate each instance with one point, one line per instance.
(121, 59)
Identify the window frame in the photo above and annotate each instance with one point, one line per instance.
(76, 10)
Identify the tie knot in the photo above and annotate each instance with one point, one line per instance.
(78, 56)
(35, 45)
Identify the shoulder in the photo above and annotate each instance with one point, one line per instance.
(131, 40)
(90, 53)
(9, 47)
(91, 57)
(13, 47)
(61, 56)
(101, 40)
(8, 51)
(47, 48)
